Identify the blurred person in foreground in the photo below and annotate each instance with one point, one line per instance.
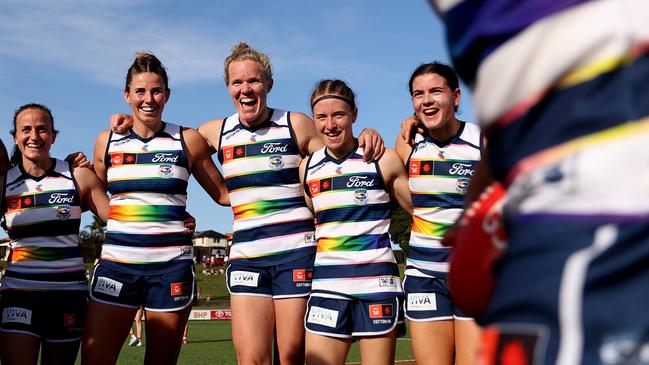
(560, 89)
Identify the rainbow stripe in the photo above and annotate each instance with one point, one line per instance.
(34, 253)
(260, 208)
(350, 243)
(430, 229)
(146, 213)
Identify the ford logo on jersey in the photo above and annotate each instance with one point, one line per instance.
(360, 196)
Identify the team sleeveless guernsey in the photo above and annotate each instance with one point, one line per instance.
(272, 223)
(438, 178)
(147, 180)
(42, 219)
(354, 259)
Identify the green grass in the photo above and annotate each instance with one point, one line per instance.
(212, 286)
(210, 342)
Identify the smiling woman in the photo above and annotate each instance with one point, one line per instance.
(45, 278)
(356, 293)
(147, 258)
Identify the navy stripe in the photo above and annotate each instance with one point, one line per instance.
(272, 147)
(156, 185)
(148, 240)
(448, 200)
(559, 118)
(54, 198)
(273, 230)
(50, 276)
(355, 270)
(476, 28)
(277, 258)
(46, 229)
(437, 274)
(145, 269)
(262, 179)
(428, 254)
(356, 213)
(361, 180)
(455, 168)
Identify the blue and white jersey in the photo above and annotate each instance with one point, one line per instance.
(565, 61)
(272, 223)
(438, 176)
(354, 259)
(42, 219)
(147, 180)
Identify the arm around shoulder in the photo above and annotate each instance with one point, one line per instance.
(203, 167)
(92, 192)
(302, 170)
(307, 138)
(395, 176)
(99, 155)
(211, 132)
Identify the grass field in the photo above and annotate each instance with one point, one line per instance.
(210, 342)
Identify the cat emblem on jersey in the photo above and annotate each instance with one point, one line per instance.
(275, 162)
(164, 170)
(360, 196)
(63, 212)
(462, 185)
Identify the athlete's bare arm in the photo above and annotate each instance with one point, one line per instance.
(211, 131)
(308, 139)
(395, 176)
(302, 168)
(98, 159)
(203, 168)
(403, 149)
(92, 192)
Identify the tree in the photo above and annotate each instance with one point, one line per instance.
(91, 239)
(400, 223)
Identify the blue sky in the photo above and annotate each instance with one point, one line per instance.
(72, 56)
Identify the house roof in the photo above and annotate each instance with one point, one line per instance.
(209, 233)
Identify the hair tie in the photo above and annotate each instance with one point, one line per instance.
(331, 96)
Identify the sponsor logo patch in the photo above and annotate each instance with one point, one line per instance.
(380, 310)
(360, 196)
(422, 302)
(108, 286)
(69, 320)
(245, 278)
(309, 238)
(462, 184)
(179, 289)
(323, 316)
(301, 275)
(275, 162)
(63, 212)
(387, 282)
(16, 315)
(165, 170)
